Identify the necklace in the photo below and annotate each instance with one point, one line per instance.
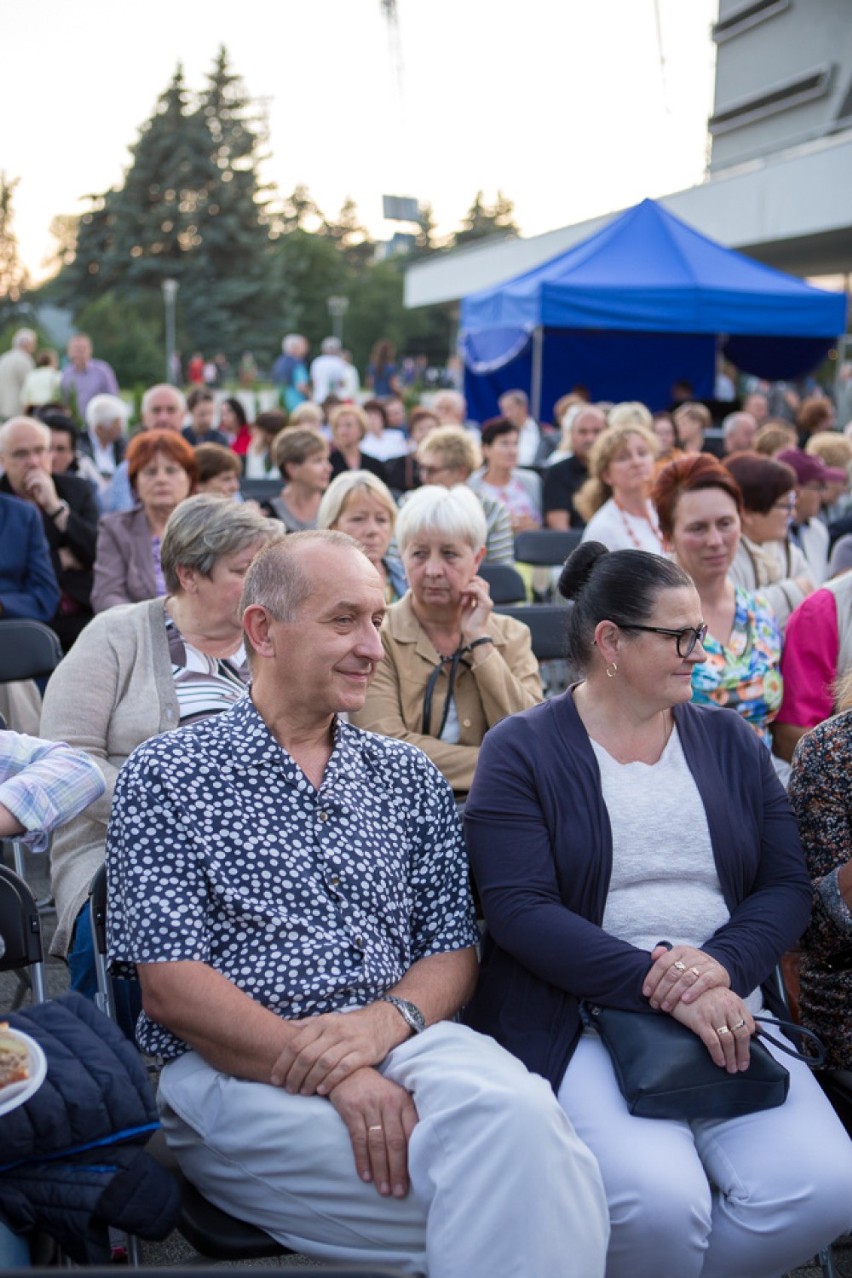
(651, 522)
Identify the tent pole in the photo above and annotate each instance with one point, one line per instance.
(535, 387)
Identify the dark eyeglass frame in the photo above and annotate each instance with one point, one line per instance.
(686, 640)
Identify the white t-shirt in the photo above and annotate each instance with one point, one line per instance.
(664, 884)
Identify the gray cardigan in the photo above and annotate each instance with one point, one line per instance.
(113, 691)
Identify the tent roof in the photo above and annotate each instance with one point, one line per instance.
(647, 271)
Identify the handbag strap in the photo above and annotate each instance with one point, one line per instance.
(815, 1062)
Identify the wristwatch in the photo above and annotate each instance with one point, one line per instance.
(409, 1012)
(60, 510)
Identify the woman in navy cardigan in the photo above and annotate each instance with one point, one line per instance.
(601, 824)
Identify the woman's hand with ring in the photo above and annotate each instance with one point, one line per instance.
(682, 973)
(723, 1023)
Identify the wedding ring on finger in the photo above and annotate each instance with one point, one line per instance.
(696, 971)
(377, 1127)
(739, 1025)
(679, 965)
(722, 1029)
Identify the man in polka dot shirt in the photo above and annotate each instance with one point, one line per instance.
(294, 894)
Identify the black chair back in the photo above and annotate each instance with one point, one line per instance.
(548, 624)
(506, 584)
(260, 489)
(546, 547)
(28, 650)
(20, 932)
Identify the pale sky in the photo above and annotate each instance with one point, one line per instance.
(561, 104)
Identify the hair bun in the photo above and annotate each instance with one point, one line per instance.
(579, 567)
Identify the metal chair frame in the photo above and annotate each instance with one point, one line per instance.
(20, 928)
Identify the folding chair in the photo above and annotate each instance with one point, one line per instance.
(546, 547)
(28, 650)
(260, 489)
(544, 551)
(506, 584)
(20, 931)
(547, 624)
(212, 1232)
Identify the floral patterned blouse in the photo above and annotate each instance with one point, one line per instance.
(821, 797)
(744, 674)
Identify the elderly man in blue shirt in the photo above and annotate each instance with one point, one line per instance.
(293, 892)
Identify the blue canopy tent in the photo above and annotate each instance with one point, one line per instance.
(639, 304)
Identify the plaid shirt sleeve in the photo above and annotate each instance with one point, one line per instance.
(45, 783)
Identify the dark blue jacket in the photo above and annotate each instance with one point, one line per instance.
(540, 845)
(71, 1161)
(27, 581)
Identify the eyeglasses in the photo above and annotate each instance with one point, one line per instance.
(785, 503)
(686, 639)
(426, 472)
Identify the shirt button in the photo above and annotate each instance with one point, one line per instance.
(465, 723)
(323, 816)
(359, 941)
(334, 880)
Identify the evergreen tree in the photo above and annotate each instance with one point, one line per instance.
(189, 209)
(483, 219)
(350, 237)
(14, 279)
(299, 212)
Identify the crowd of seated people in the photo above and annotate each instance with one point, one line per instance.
(738, 611)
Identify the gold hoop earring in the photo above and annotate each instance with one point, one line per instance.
(611, 670)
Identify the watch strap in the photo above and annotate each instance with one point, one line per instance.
(409, 1012)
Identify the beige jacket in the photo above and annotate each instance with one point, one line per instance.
(502, 679)
(113, 691)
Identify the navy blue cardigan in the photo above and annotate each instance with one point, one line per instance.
(540, 845)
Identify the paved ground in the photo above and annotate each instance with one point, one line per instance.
(175, 1251)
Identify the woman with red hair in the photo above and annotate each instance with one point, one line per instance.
(699, 506)
(163, 470)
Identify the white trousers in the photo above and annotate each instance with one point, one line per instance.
(746, 1197)
(501, 1186)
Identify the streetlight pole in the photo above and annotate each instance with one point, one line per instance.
(337, 308)
(170, 288)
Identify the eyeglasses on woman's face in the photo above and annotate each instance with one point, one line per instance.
(686, 640)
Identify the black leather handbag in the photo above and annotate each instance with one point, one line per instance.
(663, 1070)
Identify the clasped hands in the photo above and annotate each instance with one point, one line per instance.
(695, 989)
(334, 1056)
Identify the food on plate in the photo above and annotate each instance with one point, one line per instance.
(14, 1057)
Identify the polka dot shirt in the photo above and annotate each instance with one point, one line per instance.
(220, 850)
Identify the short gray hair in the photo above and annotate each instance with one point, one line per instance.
(103, 410)
(341, 489)
(24, 337)
(152, 390)
(731, 423)
(331, 345)
(202, 529)
(451, 512)
(292, 343)
(8, 426)
(277, 580)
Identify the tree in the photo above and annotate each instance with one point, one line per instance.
(14, 279)
(350, 237)
(482, 220)
(190, 208)
(299, 212)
